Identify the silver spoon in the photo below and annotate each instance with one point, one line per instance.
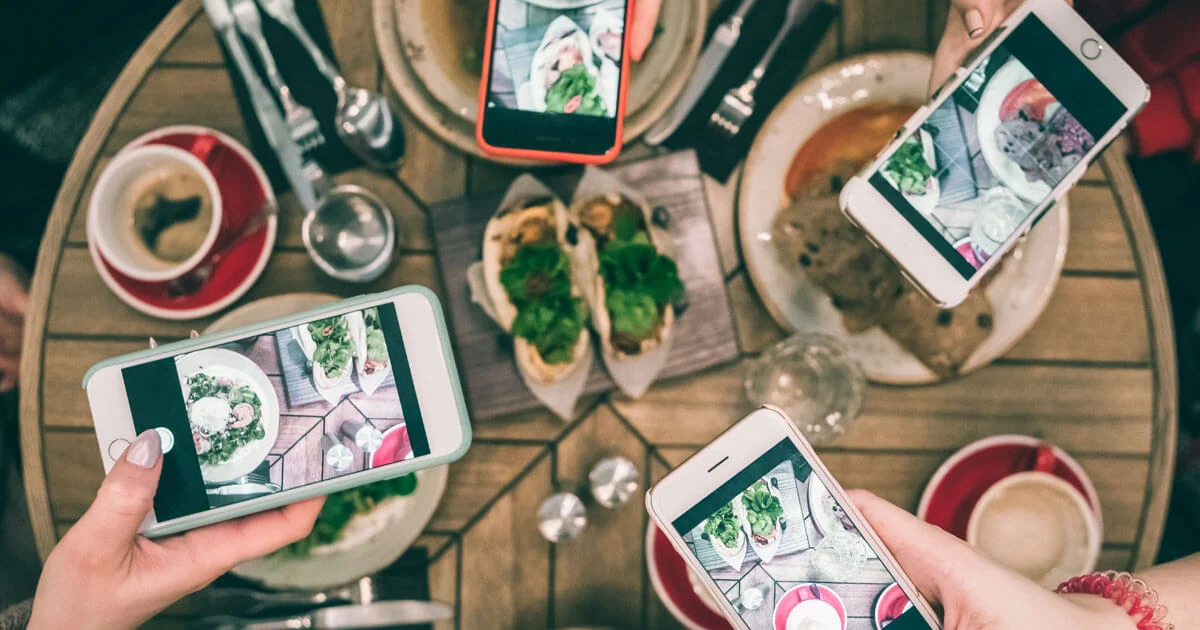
(365, 121)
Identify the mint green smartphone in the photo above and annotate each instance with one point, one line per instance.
(265, 415)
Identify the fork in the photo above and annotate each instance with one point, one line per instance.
(301, 123)
(738, 104)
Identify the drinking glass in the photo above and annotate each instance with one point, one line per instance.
(1000, 214)
(813, 380)
(839, 556)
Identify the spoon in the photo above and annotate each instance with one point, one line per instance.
(192, 281)
(365, 120)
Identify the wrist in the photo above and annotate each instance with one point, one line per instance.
(1101, 613)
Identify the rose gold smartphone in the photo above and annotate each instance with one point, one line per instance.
(774, 539)
(1011, 131)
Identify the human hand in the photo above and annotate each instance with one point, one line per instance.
(103, 574)
(14, 287)
(972, 592)
(641, 31)
(969, 22)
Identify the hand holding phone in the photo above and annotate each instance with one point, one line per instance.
(1002, 138)
(554, 81)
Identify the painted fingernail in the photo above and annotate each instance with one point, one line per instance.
(974, 21)
(145, 450)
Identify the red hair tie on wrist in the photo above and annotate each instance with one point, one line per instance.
(1132, 594)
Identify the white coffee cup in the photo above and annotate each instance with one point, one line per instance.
(1038, 525)
(110, 211)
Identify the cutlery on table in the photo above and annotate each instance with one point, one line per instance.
(301, 122)
(252, 602)
(192, 281)
(374, 615)
(710, 62)
(365, 120)
(738, 104)
(291, 160)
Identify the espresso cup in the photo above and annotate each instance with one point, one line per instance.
(1038, 525)
(111, 211)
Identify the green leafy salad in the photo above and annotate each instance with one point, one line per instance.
(575, 93)
(377, 352)
(334, 346)
(538, 282)
(225, 415)
(763, 511)
(909, 168)
(640, 282)
(340, 507)
(723, 527)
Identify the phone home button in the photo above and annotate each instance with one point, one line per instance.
(117, 447)
(1090, 48)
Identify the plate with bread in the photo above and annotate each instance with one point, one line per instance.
(816, 272)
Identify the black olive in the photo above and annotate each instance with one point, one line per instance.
(984, 320)
(572, 234)
(661, 217)
(805, 260)
(837, 302)
(836, 182)
(944, 318)
(899, 291)
(812, 247)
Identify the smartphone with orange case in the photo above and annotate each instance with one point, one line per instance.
(554, 81)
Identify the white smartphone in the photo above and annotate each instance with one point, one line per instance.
(771, 534)
(262, 416)
(1011, 131)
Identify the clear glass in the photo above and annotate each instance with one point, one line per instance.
(813, 380)
(839, 556)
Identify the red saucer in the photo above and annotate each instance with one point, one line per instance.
(892, 603)
(244, 190)
(669, 576)
(804, 593)
(957, 485)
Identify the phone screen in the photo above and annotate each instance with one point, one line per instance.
(555, 75)
(990, 155)
(278, 411)
(785, 554)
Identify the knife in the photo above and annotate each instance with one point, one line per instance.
(291, 160)
(376, 615)
(711, 60)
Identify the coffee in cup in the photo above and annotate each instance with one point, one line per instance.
(1038, 525)
(155, 212)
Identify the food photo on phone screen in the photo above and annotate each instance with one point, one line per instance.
(787, 556)
(562, 61)
(280, 410)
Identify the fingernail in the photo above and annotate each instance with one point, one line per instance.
(974, 21)
(145, 450)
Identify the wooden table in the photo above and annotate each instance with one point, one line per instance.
(1096, 375)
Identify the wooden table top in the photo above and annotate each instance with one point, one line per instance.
(1096, 375)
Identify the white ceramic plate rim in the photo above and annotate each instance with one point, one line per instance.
(255, 272)
(756, 197)
(1000, 440)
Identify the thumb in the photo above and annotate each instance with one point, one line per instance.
(127, 494)
(931, 557)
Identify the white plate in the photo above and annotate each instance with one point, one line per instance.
(1019, 292)
(227, 363)
(987, 115)
(445, 98)
(820, 504)
(380, 537)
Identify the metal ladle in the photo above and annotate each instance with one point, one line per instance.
(365, 121)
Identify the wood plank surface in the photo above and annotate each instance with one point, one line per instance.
(195, 46)
(480, 477)
(182, 95)
(506, 562)
(609, 546)
(1084, 410)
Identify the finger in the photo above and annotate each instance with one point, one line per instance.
(218, 548)
(11, 328)
(645, 20)
(125, 497)
(932, 558)
(10, 371)
(969, 22)
(14, 286)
